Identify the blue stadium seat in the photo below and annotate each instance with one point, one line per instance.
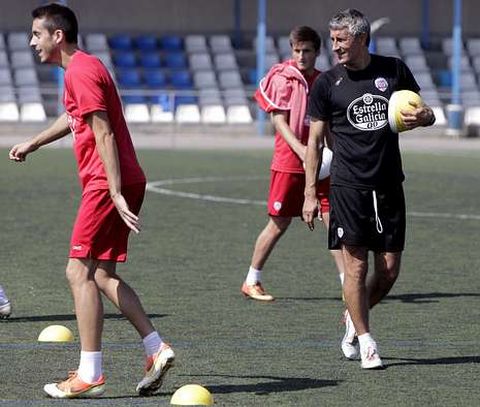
(185, 100)
(133, 99)
(125, 59)
(155, 78)
(171, 43)
(146, 42)
(181, 79)
(444, 78)
(129, 78)
(252, 76)
(176, 60)
(121, 42)
(150, 60)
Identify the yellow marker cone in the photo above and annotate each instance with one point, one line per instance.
(56, 333)
(192, 395)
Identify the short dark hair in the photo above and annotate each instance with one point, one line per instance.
(58, 17)
(353, 20)
(304, 33)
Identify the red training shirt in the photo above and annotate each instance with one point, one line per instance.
(89, 88)
(284, 158)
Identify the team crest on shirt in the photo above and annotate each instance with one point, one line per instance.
(381, 84)
(368, 112)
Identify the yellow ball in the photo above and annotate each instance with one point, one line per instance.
(400, 100)
(56, 333)
(192, 395)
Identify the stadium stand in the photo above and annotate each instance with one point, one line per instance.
(197, 78)
(213, 114)
(18, 41)
(175, 60)
(121, 42)
(125, 59)
(96, 42)
(209, 96)
(22, 59)
(187, 113)
(150, 59)
(239, 114)
(387, 46)
(205, 80)
(200, 61)
(196, 43)
(146, 43)
(220, 44)
(171, 43)
(410, 46)
(225, 62)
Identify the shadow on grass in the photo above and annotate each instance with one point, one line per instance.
(274, 384)
(427, 297)
(67, 317)
(319, 299)
(413, 298)
(456, 360)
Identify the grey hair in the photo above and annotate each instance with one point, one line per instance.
(353, 20)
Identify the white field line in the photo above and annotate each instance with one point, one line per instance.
(158, 187)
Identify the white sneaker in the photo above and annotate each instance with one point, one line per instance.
(371, 358)
(5, 307)
(156, 367)
(350, 347)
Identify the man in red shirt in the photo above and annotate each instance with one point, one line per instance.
(113, 187)
(284, 93)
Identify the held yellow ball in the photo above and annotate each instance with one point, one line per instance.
(192, 395)
(56, 333)
(400, 100)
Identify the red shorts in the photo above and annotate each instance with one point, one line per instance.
(323, 191)
(287, 192)
(99, 232)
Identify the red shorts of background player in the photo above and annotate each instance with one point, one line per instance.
(287, 192)
(99, 231)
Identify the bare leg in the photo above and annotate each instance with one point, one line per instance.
(88, 303)
(356, 266)
(387, 268)
(267, 239)
(122, 296)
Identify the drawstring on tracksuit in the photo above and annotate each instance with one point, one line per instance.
(377, 218)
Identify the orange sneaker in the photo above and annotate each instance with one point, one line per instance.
(156, 367)
(74, 387)
(256, 292)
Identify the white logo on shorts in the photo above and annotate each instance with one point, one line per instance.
(77, 247)
(340, 232)
(277, 205)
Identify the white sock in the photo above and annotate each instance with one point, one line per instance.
(341, 276)
(152, 343)
(365, 340)
(253, 276)
(90, 368)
